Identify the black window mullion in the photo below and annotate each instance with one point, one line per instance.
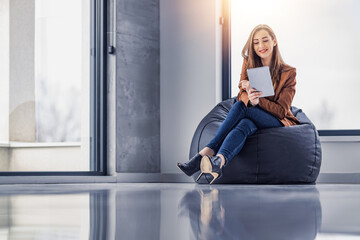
(98, 90)
(226, 51)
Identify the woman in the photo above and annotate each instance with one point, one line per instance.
(250, 112)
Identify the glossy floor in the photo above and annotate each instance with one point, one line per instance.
(165, 211)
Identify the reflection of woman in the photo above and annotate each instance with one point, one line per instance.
(250, 112)
(206, 213)
(267, 213)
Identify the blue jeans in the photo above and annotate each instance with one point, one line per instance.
(240, 123)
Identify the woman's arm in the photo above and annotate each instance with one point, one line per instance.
(280, 107)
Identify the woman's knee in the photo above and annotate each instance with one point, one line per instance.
(240, 105)
(247, 126)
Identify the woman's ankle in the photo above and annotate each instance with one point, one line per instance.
(207, 151)
(223, 160)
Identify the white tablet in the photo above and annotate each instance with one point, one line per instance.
(260, 79)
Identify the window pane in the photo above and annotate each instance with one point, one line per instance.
(45, 85)
(320, 39)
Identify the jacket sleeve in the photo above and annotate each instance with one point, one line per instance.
(280, 107)
(242, 95)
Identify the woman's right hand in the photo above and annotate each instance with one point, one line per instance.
(245, 84)
(254, 96)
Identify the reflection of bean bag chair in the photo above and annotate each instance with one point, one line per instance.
(282, 155)
(253, 213)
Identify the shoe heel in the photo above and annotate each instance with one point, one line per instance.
(199, 176)
(215, 175)
(205, 166)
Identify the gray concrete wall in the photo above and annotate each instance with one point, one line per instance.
(137, 86)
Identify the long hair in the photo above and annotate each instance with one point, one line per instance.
(253, 60)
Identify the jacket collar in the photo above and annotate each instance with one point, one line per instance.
(286, 68)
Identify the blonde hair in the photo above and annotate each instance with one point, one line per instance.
(253, 60)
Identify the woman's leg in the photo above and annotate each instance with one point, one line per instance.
(255, 118)
(236, 113)
(262, 118)
(235, 140)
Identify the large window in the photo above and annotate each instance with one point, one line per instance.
(320, 38)
(51, 96)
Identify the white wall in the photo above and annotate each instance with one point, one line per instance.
(190, 73)
(340, 154)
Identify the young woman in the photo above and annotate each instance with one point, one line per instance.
(251, 112)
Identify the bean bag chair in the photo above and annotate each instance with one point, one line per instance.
(285, 155)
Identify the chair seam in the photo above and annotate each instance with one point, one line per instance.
(312, 169)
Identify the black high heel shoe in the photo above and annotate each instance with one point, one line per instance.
(212, 166)
(191, 166)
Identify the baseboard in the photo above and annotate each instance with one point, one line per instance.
(324, 178)
(153, 177)
(176, 178)
(340, 178)
(138, 177)
(55, 179)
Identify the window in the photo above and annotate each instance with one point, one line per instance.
(52, 86)
(319, 38)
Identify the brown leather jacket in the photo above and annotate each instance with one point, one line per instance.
(279, 104)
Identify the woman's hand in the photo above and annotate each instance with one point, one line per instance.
(254, 96)
(244, 84)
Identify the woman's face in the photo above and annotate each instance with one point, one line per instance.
(263, 44)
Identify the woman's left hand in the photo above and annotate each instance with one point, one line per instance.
(254, 96)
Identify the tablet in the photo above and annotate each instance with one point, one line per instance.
(260, 79)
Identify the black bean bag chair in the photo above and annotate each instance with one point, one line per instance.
(285, 155)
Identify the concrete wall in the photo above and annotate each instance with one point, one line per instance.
(190, 73)
(137, 86)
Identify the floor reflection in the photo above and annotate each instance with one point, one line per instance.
(44, 216)
(179, 211)
(250, 214)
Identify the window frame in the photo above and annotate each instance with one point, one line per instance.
(99, 19)
(226, 70)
